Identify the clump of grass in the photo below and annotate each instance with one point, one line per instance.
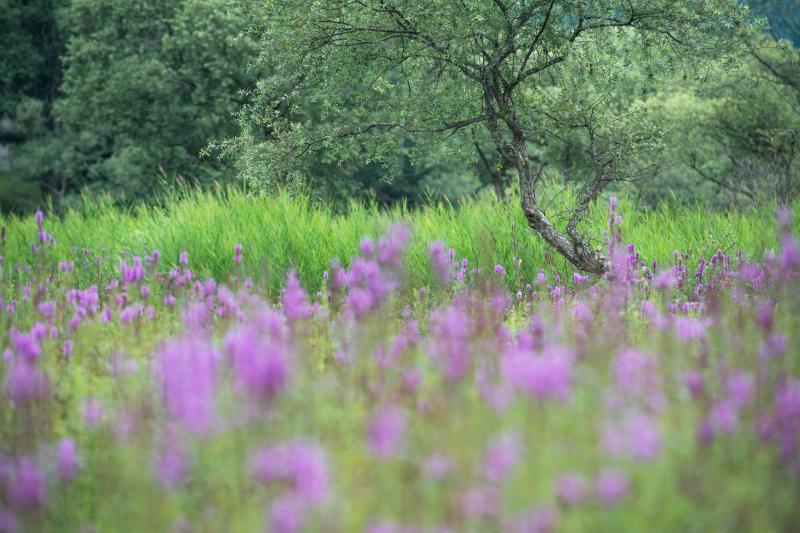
(283, 231)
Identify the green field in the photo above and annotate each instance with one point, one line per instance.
(282, 231)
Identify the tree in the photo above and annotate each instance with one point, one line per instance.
(29, 64)
(736, 138)
(30, 71)
(380, 70)
(146, 85)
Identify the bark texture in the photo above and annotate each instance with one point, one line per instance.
(571, 245)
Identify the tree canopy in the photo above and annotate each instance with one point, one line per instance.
(143, 87)
(517, 72)
(401, 101)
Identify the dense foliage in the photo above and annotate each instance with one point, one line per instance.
(122, 98)
(146, 86)
(737, 138)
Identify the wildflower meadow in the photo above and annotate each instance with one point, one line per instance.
(407, 387)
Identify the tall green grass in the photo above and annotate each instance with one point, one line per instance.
(283, 231)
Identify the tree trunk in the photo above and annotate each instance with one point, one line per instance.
(573, 248)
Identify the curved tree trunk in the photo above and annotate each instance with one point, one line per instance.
(575, 250)
(571, 246)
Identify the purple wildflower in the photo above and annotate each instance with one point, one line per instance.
(541, 519)
(130, 313)
(705, 431)
(25, 382)
(8, 522)
(635, 373)
(437, 466)
(26, 344)
(583, 313)
(92, 412)
(724, 417)
(637, 436)
(700, 269)
(412, 379)
(502, 456)
(694, 382)
(787, 419)
(294, 299)
(47, 308)
(261, 353)
(765, 315)
(612, 486)
(386, 432)
(339, 280)
(689, 328)
(287, 514)
(773, 347)
(369, 287)
(392, 244)
(449, 343)
(303, 465)
(186, 371)
(739, 387)
(131, 273)
(572, 488)
(171, 467)
(577, 279)
(544, 375)
(365, 248)
(28, 486)
(480, 502)
(68, 460)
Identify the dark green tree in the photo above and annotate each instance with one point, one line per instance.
(32, 45)
(147, 84)
(30, 72)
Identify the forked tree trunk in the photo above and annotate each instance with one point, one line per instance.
(572, 247)
(576, 251)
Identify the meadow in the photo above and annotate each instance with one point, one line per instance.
(228, 362)
(288, 231)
